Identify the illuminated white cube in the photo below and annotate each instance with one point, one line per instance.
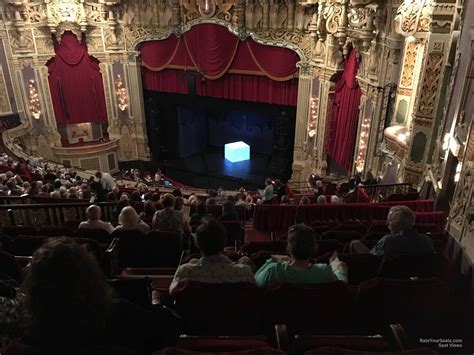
(237, 151)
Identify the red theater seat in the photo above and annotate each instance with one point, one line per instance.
(101, 235)
(303, 343)
(341, 236)
(340, 351)
(260, 351)
(278, 246)
(310, 308)
(16, 348)
(220, 309)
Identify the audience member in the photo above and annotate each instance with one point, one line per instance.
(201, 212)
(335, 199)
(403, 239)
(305, 200)
(106, 180)
(267, 193)
(284, 200)
(321, 199)
(148, 211)
(169, 219)
(298, 267)
(69, 306)
(93, 213)
(213, 266)
(129, 220)
(229, 212)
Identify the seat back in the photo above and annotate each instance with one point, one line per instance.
(234, 231)
(25, 245)
(136, 290)
(16, 348)
(327, 350)
(415, 302)
(131, 248)
(406, 266)
(317, 308)
(101, 235)
(56, 231)
(278, 246)
(220, 309)
(10, 266)
(162, 249)
(342, 235)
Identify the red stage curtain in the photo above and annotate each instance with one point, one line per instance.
(231, 86)
(237, 70)
(76, 83)
(345, 115)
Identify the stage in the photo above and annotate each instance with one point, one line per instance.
(190, 133)
(209, 168)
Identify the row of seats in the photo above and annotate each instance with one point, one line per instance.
(280, 218)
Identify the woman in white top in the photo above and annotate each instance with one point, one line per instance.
(129, 220)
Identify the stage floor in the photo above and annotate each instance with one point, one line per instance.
(211, 169)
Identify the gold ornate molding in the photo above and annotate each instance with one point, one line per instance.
(414, 16)
(429, 89)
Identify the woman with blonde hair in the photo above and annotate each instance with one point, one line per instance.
(129, 220)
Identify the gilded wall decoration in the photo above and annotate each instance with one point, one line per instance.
(4, 104)
(429, 89)
(461, 196)
(413, 16)
(409, 64)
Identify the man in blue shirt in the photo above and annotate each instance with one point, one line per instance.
(298, 268)
(403, 240)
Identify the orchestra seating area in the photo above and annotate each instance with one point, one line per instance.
(386, 307)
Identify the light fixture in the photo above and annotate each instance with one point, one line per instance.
(35, 105)
(402, 137)
(457, 175)
(313, 116)
(121, 93)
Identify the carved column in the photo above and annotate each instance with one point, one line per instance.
(304, 93)
(138, 106)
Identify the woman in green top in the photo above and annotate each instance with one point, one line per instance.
(298, 268)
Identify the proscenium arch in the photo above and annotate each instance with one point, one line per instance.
(231, 29)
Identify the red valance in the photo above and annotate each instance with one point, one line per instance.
(230, 86)
(214, 51)
(75, 83)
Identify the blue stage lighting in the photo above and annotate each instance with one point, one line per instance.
(237, 151)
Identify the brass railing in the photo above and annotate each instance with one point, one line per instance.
(50, 214)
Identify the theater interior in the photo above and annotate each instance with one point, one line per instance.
(349, 107)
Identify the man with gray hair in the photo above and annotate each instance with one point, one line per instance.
(93, 213)
(403, 239)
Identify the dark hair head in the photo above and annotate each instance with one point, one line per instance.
(268, 181)
(135, 196)
(177, 193)
(301, 242)
(147, 196)
(168, 201)
(149, 208)
(67, 298)
(155, 197)
(210, 237)
(57, 184)
(227, 206)
(178, 203)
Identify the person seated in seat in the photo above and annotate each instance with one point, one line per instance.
(403, 239)
(298, 267)
(129, 220)
(168, 219)
(213, 266)
(93, 213)
(229, 213)
(69, 306)
(201, 212)
(149, 210)
(321, 199)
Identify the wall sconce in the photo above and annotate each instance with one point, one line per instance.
(33, 96)
(313, 116)
(362, 152)
(457, 175)
(121, 93)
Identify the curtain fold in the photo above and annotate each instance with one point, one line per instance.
(277, 63)
(214, 51)
(231, 86)
(211, 49)
(345, 115)
(75, 83)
